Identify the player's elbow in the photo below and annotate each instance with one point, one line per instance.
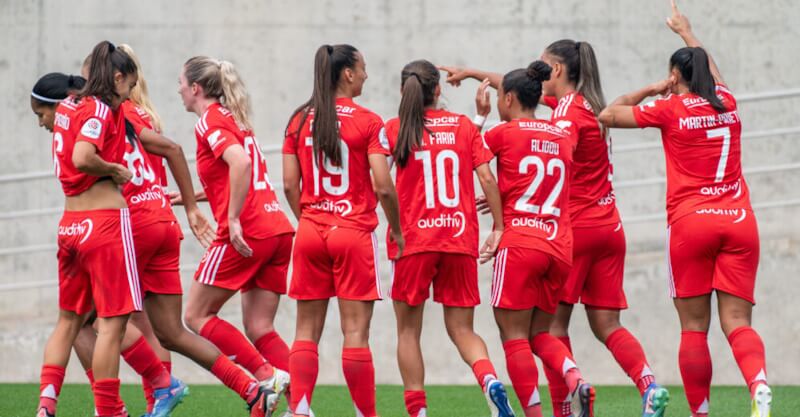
(82, 161)
(606, 117)
(384, 191)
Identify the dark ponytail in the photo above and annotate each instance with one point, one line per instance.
(418, 82)
(104, 61)
(329, 62)
(526, 83)
(582, 69)
(54, 87)
(693, 66)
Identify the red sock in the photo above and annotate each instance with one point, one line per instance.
(274, 349)
(303, 367)
(90, 375)
(149, 398)
(234, 377)
(630, 356)
(231, 342)
(694, 360)
(141, 357)
(167, 366)
(416, 403)
(483, 371)
(51, 380)
(748, 349)
(523, 373)
(359, 373)
(560, 369)
(106, 397)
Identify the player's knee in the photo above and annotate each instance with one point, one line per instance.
(255, 328)
(194, 320)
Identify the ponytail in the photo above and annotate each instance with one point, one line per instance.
(329, 62)
(234, 94)
(526, 83)
(693, 65)
(139, 93)
(105, 61)
(418, 86)
(582, 69)
(54, 87)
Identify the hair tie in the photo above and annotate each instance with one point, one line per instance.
(578, 45)
(111, 47)
(415, 75)
(329, 49)
(45, 99)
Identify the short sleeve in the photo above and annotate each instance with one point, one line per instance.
(550, 101)
(290, 139)
(480, 150)
(726, 95)
(378, 142)
(493, 138)
(96, 126)
(656, 113)
(219, 139)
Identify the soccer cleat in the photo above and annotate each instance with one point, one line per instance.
(43, 412)
(762, 401)
(168, 398)
(583, 400)
(276, 385)
(290, 413)
(258, 407)
(497, 398)
(654, 401)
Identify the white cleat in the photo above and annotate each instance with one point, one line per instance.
(762, 401)
(277, 385)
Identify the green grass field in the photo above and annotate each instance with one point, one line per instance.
(18, 400)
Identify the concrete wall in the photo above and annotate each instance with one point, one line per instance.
(273, 43)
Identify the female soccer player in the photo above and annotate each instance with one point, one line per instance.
(96, 254)
(534, 160)
(331, 145)
(596, 277)
(440, 225)
(712, 235)
(254, 238)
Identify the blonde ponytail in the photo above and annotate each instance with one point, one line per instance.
(140, 94)
(234, 94)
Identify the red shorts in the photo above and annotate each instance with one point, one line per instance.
(158, 251)
(222, 266)
(331, 261)
(527, 278)
(454, 277)
(714, 252)
(598, 266)
(97, 263)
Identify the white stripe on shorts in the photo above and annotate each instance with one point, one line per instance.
(499, 276)
(375, 261)
(129, 254)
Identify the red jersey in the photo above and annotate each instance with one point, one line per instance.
(141, 120)
(340, 196)
(703, 152)
(261, 216)
(89, 120)
(143, 192)
(534, 159)
(438, 213)
(591, 198)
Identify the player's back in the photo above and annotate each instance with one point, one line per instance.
(534, 160)
(339, 195)
(435, 187)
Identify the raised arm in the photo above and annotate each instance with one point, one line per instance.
(620, 112)
(457, 74)
(680, 24)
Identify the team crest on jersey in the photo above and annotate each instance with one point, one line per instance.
(92, 128)
(383, 138)
(564, 124)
